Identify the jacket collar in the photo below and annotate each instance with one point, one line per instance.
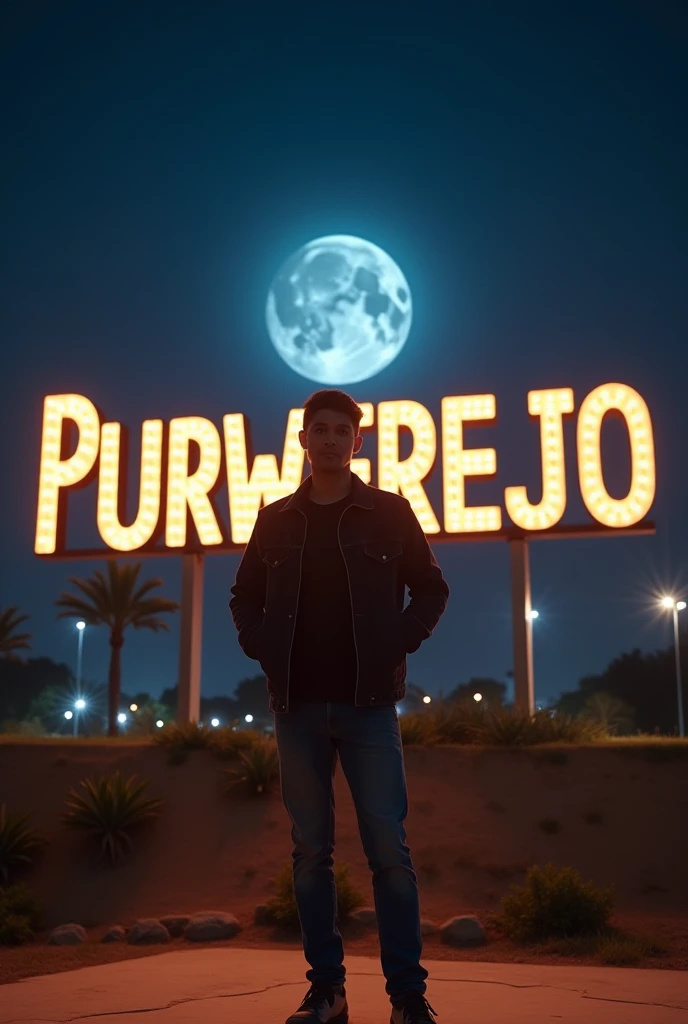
(360, 494)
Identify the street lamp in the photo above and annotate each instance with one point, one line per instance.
(79, 705)
(80, 627)
(676, 607)
(121, 718)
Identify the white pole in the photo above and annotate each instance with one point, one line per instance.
(677, 658)
(79, 649)
(522, 626)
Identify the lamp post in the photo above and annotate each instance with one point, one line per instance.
(81, 626)
(79, 705)
(676, 607)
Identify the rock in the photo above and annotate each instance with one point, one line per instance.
(175, 924)
(428, 927)
(211, 925)
(148, 931)
(364, 915)
(462, 931)
(67, 935)
(115, 934)
(263, 915)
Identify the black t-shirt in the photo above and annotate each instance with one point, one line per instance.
(323, 658)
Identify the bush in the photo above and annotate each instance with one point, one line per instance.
(20, 915)
(259, 768)
(224, 742)
(227, 742)
(108, 809)
(282, 906)
(469, 722)
(190, 736)
(555, 902)
(17, 842)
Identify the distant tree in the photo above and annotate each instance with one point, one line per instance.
(615, 714)
(645, 681)
(22, 682)
(491, 691)
(10, 639)
(413, 698)
(116, 601)
(251, 695)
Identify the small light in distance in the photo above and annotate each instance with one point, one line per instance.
(533, 615)
(249, 718)
(680, 605)
(69, 714)
(426, 700)
(133, 707)
(121, 718)
(214, 722)
(667, 602)
(81, 624)
(160, 723)
(477, 696)
(80, 704)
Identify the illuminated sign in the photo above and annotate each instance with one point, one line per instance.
(171, 496)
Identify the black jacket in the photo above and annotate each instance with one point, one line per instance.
(384, 550)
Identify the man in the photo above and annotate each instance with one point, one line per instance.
(319, 601)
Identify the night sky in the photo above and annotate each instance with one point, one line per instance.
(525, 164)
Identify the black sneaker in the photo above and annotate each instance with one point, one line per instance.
(323, 1002)
(413, 1009)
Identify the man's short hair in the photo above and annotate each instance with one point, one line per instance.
(331, 398)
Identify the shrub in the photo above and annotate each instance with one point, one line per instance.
(17, 841)
(20, 915)
(227, 742)
(259, 768)
(282, 906)
(417, 728)
(190, 736)
(109, 809)
(555, 901)
(470, 722)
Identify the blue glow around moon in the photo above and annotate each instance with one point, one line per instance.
(339, 310)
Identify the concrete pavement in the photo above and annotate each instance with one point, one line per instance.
(233, 986)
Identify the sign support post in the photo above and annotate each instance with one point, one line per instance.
(522, 625)
(191, 638)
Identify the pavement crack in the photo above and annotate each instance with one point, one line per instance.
(582, 993)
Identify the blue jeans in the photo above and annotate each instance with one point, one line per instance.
(309, 737)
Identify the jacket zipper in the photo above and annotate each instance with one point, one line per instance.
(296, 610)
(351, 606)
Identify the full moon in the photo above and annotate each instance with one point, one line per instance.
(339, 310)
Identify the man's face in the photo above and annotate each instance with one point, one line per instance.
(330, 441)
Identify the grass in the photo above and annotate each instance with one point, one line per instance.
(550, 739)
(613, 947)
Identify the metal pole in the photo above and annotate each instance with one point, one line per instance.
(679, 688)
(79, 649)
(78, 661)
(522, 626)
(190, 640)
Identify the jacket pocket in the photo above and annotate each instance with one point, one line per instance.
(384, 551)
(275, 557)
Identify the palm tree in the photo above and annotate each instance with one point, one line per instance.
(10, 640)
(117, 601)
